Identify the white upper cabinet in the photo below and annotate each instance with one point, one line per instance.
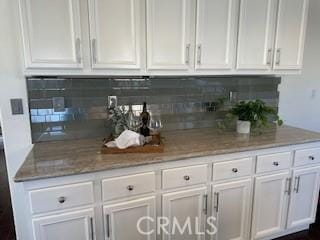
(170, 35)
(291, 29)
(304, 198)
(163, 37)
(216, 34)
(51, 33)
(116, 33)
(256, 34)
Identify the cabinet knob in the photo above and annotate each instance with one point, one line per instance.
(311, 158)
(130, 187)
(275, 163)
(187, 178)
(62, 199)
(235, 170)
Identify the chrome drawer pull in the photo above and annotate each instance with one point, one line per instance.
(130, 188)
(269, 56)
(278, 57)
(108, 230)
(297, 184)
(205, 208)
(235, 170)
(187, 60)
(311, 158)
(199, 54)
(276, 164)
(216, 205)
(187, 178)
(288, 186)
(78, 50)
(62, 199)
(92, 227)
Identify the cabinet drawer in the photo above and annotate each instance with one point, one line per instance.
(307, 156)
(127, 186)
(61, 197)
(232, 169)
(184, 176)
(273, 162)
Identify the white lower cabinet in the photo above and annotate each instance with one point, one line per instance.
(270, 204)
(134, 220)
(76, 225)
(149, 206)
(304, 197)
(231, 207)
(185, 208)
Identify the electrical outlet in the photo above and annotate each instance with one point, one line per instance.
(112, 101)
(58, 104)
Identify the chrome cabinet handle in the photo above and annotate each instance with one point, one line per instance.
(78, 50)
(130, 188)
(91, 226)
(62, 199)
(216, 205)
(108, 225)
(269, 56)
(297, 184)
(311, 158)
(187, 60)
(288, 186)
(275, 164)
(187, 178)
(94, 50)
(199, 54)
(278, 56)
(205, 205)
(235, 170)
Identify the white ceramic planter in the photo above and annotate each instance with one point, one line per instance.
(243, 127)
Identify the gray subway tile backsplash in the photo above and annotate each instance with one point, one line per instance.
(182, 102)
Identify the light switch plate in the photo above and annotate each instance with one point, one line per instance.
(112, 102)
(16, 106)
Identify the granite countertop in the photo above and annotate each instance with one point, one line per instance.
(54, 159)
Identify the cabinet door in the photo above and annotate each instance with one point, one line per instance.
(216, 33)
(115, 32)
(77, 225)
(292, 20)
(185, 207)
(122, 220)
(51, 33)
(169, 34)
(270, 204)
(304, 198)
(256, 34)
(231, 207)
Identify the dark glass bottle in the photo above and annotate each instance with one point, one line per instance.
(145, 119)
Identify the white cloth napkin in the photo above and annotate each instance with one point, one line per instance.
(127, 139)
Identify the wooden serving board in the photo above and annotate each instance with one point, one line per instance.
(148, 148)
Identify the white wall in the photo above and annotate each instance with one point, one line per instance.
(16, 129)
(300, 95)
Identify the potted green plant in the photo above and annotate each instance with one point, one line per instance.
(253, 114)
